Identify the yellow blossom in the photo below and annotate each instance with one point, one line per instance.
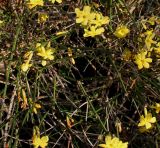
(45, 52)
(141, 60)
(113, 142)
(99, 20)
(33, 3)
(37, 141)
(25, 100)
(91, 21)
(93, 31)
(146, 120)
(53, 1)
(126, 55)
(70, 55)
(34, 106)
(44, 62)
(61, 32)
(121, 31)
(40, 142)
(28, 55)
(157, 107)
(152, 20)
(148, 32)
(26, 65)
(149, 39)
(84, 16)
(42, 17)
(157, 49)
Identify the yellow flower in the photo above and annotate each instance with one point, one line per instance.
(44, 62)
(40, 142)
(37, 141)
(70, 55)
(84, 16)
(91, 21)
(99, 20)
(148, 32)
(113, 142)
(45, 53)
(26, 65)
(146, 120)
(53, 1)
(152, 20)
(142, 61)
(25, 100)
(34, 106)
(121, 31)
(61, 32)
(157, 49)
(42, 17)
(126, 55)
(28, 55)
(149, 39)
(33, 3)
(93, 31)
(157, 107)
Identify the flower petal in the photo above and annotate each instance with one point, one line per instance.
(44, 141)
(146, 65)
(102, 145)
(149, 60)
(148, 125)
(153, 120)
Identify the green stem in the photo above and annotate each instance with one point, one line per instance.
(10, 60)
(88, 99)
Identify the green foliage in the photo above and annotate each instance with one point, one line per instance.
(76, 89)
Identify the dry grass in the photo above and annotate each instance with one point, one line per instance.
(99, 91)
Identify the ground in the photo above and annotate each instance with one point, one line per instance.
(78, 71)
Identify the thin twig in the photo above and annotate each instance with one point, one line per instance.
(8, 116)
